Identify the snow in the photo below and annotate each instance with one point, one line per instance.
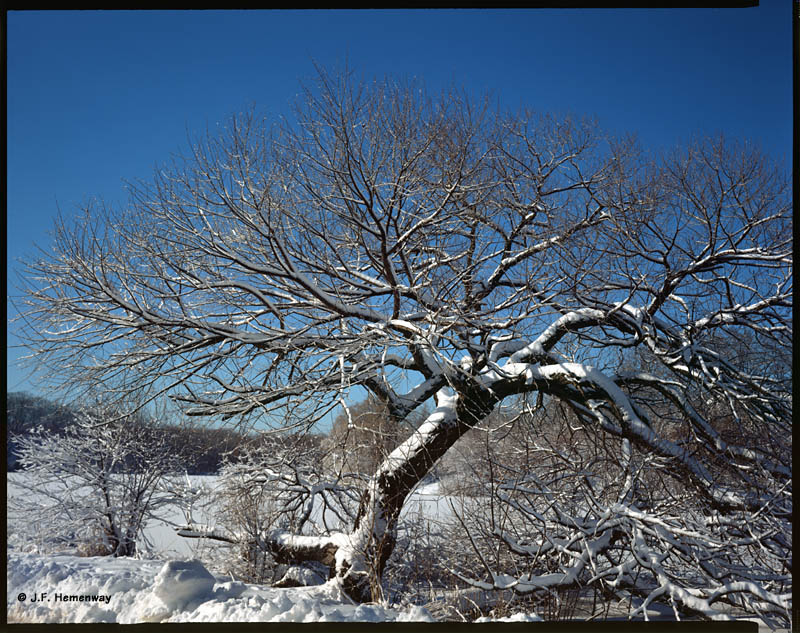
(517, 617)
(182, 583)
(428, 489)
(169, 591)
(166, 586)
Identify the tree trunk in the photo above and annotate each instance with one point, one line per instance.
(359, 557)
(361, 561)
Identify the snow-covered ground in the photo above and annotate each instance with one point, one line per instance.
(65, 588)
(170, 585)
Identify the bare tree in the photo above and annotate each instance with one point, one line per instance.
(273, 486)
(94, 485)
(422, 247)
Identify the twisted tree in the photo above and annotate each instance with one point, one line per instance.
(423, 248)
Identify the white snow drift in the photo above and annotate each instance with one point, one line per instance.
(61, 588)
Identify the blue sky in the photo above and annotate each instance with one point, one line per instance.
(95, 97)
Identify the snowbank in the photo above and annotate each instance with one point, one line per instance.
(65, 588)
(517, 617)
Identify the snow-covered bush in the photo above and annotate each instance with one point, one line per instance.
(603, 522)
(25, 412)
(272, 485)
(93, 486)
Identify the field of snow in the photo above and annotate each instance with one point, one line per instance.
(65, 588)
(167, 582)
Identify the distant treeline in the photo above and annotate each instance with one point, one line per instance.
(203, 448)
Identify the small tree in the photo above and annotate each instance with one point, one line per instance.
(95, 485)
(270, 486)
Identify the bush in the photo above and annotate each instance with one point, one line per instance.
(93, 487)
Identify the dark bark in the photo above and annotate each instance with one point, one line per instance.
(392, 485)
(292, 554)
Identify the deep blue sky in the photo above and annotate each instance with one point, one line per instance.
(98, 97)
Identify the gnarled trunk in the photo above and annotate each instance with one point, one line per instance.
(361, 559)
(358, 558)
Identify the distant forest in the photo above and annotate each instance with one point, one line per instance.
(204, 447)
